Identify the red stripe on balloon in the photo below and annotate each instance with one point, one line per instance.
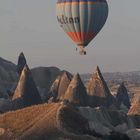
(81, 37)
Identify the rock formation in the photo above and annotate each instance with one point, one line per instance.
(8, 77)
(21, 63)
(104, 121)
(44, 78)
(60, 86)
(63, 85)
(26, 89)
(5, 105)
(44, 122)
(69, 119)
(76, 92)
(122, 96)
(53, 92)
(97, 85)
(134, 112)
(134, 134)
(135, 108)
(98, 91)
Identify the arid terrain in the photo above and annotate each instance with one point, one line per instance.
(47, 103)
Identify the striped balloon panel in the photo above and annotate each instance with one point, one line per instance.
(82, 19)
(66, 1)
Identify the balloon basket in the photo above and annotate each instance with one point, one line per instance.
(82, 52)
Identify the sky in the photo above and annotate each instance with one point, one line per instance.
(30, 26)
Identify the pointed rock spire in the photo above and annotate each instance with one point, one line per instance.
(60, 86)
(63, 85)
(122, 96)
(97, 85)
(21, 63)
(98, 91)
(76, 92)
(135, 108)
(26, 89)
(53, 92)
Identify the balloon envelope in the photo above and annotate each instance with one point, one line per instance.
(82, 19)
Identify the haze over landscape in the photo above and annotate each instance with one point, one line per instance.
(30, 26)
(48, 91)
(46, 103)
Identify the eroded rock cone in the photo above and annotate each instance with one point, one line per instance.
(53, 93)
(26, 89)
(122, 96)
(98, 91)
(135, 108)
(76, 92)
(63, 85)
(60, 86)
(21, 63)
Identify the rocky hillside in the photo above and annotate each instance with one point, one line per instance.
(9, 74)
(73, 110)
(60, 121)
(47, 75)
(8, 77)
(103, 121)
(44, 122)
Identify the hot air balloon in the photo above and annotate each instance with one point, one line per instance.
(82, 19)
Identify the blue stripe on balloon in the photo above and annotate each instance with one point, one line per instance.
(63, 1)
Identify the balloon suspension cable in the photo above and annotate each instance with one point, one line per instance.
(82, 51)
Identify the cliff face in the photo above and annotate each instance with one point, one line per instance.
(26, 89)
(98, 91)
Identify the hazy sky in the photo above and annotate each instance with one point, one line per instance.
(31, 26)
